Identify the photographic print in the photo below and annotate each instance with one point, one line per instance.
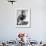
(23, 18)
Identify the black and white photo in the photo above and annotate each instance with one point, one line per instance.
(23, 18)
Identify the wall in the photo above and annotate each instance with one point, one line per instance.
(8, 28)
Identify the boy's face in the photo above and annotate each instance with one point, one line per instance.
(23, 12)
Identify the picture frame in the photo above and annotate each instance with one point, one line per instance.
(23, 18)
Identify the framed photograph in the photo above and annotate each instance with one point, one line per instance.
(23, 18)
